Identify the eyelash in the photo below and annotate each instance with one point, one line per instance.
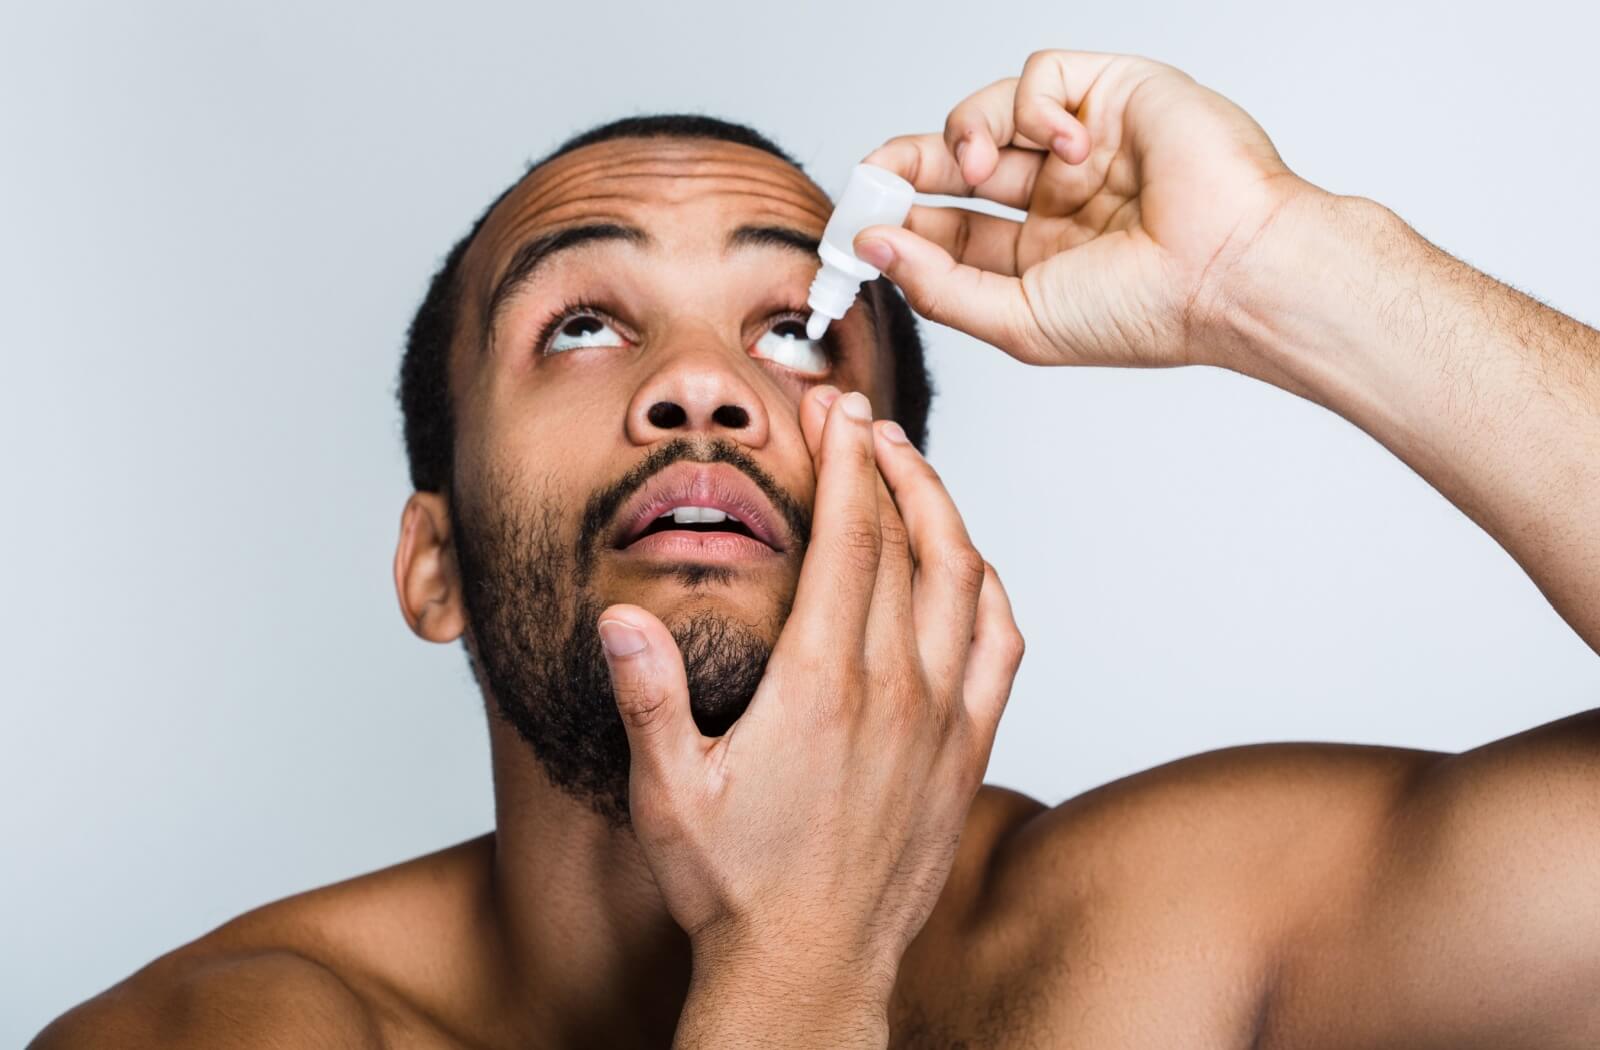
(584, 308)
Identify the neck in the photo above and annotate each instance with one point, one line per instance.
(591, 952)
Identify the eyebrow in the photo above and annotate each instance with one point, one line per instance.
(789, 237)
(536, 254)
(771, 237)
(533, 256)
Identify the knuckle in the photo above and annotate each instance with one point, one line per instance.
(850, 452)
(641, 708)
(1013, 647)
(926, 300)
(901, 153)
(859, 545)
(1040, 57)
(895, 536)
(908, 700)
(965, 567)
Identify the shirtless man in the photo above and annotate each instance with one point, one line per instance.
(622, 339)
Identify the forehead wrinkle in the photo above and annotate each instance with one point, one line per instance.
(680, 178)
(651, 192)
(607, 199)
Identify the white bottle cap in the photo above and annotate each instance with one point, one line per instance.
(874, 196)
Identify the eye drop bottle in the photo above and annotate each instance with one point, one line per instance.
(872, 197)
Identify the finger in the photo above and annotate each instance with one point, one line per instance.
(980, 125)
(992, 663)
(891, 639)
(1048, 95)
(980, 128)
(984, 241)
(950, 572)
(841, 562)
(651, 691)
(926, 162)
(889, 624)
(987, 305)
(813, 414)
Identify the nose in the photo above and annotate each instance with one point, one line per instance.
(697, 392)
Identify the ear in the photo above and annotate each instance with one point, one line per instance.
(425, 576)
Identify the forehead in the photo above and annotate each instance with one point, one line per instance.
(677, 190)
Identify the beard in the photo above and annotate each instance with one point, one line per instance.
(532, 641)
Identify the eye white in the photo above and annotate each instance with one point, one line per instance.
(584, 330)
(791, 348)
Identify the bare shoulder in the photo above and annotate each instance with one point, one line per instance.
(1178, 885)
(1313, 896)
(272, 998)
(1235, 822)
(1234, 811)
(337, 966)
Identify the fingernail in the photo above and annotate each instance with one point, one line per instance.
(621, 639)
(875, 253)
(826, 395)
(1062, 145)
(893, 432)
(856, 406)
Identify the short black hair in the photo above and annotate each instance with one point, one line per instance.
(424, 388)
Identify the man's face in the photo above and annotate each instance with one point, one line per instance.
(626, 383)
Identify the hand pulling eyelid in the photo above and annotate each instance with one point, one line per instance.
(874, 196)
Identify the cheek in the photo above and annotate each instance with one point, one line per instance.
(539, 453)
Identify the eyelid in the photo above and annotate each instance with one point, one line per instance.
(828, 346)
(797, 315)
(568, 311)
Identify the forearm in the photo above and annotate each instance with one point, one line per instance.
(780, 1004)
(1491, 397)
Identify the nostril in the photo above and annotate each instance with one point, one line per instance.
(731, 416)
(666, 415)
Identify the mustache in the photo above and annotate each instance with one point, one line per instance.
(601, 508)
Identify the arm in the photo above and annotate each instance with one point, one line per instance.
(1477, 923)
(783, 1000)
(1468, 916)
(1163, 229)
(1493, 398)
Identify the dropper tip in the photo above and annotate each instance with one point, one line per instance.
(816, 324)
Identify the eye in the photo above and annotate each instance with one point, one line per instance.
(785, 343)
(581, 331)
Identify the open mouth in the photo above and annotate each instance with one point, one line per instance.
(696, 520)
(701, 509)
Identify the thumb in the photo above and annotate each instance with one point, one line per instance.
(651, 690)
(986, 305)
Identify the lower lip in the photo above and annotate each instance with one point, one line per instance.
(681, 544)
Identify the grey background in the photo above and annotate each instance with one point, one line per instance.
(216, 221)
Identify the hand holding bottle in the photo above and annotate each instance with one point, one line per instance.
(1144, 191)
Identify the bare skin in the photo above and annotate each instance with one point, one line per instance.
(1299, 896)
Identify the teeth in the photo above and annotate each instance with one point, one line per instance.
(696, 515)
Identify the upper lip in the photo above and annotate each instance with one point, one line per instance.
(716, 485)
